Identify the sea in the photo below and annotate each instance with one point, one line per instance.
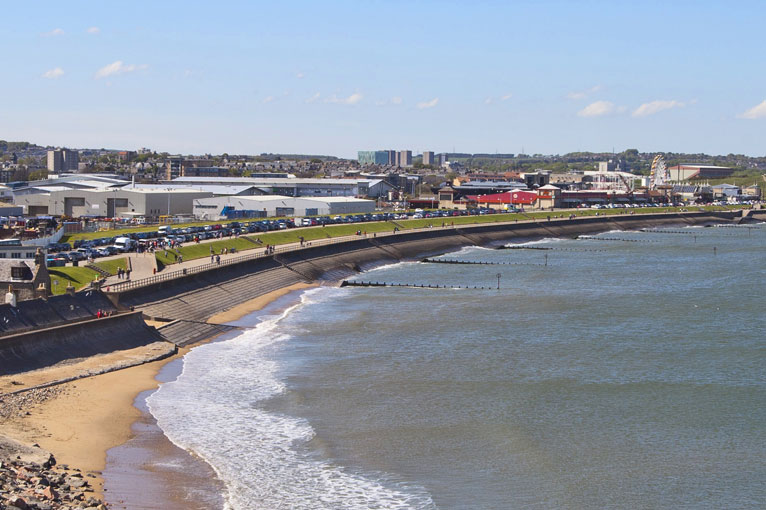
(625, 370)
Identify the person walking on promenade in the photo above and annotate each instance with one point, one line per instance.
(218, 259)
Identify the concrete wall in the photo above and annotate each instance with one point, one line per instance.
(200, 296)
(45, 347)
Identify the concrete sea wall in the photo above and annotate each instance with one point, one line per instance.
(34, 336)
(44, 347)
(199, 296)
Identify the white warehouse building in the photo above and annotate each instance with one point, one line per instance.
(261, 206)
(112, 203)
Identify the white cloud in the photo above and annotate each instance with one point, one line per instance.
(53, 73)
(490, 99)
(756, 112)
(582, 94)
(268, 99)
(428, 104)
(54, 32)
(352, 99)
(94, 30)
(655, 107)
(300, 75)
(597, 109)
(396, 100)
(314, 98)
(118, 67)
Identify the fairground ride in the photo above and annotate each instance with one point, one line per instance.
(660, 174)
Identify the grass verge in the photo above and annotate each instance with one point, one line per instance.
(79, 277)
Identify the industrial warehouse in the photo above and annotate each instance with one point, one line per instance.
(274, 205)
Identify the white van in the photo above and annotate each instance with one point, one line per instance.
(124, 244)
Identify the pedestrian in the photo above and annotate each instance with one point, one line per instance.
(218, 259)
(212, 258)
(127, 274)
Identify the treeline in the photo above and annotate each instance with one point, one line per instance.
(6, 146)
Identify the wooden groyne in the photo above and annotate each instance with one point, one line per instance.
(478, 262)
(360, 283)
(618, 239)
(544, 248)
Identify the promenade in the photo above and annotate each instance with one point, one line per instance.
(144, 271)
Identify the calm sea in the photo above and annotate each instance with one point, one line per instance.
(627, 373)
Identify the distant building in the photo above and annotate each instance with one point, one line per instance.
(428, 157)
(56, 161)
(405, 159)
(177, 166)
(607, 166)
(687, 172)
(63, 160)
(536, 179)
(391, 158)
(373, 157)
(726, 191)
(276, 205)
(6, 174)
(204, 171)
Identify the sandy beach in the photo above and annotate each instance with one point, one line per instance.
(256, 304)
(80, 421)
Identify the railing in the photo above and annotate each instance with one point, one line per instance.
(165, 276)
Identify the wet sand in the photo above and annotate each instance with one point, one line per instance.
(256, 304)
(171, 478)
(100, 424)
(86, 418)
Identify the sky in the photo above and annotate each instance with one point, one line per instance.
(336, 77)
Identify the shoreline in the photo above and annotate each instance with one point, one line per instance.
(84, 419)
(90, 416)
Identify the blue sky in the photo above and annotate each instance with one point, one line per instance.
(335, 77)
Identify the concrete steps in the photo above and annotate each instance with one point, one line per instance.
(183, 333)
(200, 304)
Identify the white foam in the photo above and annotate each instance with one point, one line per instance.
(212, 410)
(544, 240)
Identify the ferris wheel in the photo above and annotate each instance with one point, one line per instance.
(660, 174)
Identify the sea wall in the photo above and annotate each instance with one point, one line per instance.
(36, 314)
(44, 347)
(34, 336)
(199, 296)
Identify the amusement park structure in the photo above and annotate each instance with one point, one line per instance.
(614, 181)
(660, 174)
